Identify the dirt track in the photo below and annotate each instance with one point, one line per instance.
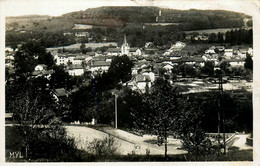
(126, 142)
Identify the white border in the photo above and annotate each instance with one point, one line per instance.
(252, 8)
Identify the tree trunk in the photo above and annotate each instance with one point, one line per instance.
(165, 147)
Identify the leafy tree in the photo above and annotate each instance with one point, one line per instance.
(60, 78)
(84, 104)
(208, 68)
(24, 63)
(32, 107)
(220, 38)
(47, 59)
(212, 38)
(160, 111)
(248, 63)
(120, 69)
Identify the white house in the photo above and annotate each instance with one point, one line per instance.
(75, 70)
(150, 74)
(235, 62)
(99, 66)
(61, 59)
(141, 82)
(71, 58)
(78, 60)
(40, 67)
(228, 53)
(113, 51)
(135, 51)
(168, 67)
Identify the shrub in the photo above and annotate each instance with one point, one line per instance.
(103, 148)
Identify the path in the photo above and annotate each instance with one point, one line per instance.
(126, 142)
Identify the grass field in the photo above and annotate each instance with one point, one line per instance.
(209, 31)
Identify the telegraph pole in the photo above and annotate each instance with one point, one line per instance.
(220, 91)
(116, 111)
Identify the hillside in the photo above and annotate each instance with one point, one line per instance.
(122, 16)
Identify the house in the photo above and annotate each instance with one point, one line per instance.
(250, 51)
(210, 51)
(78, 60)
(179, 44)
(168, 67)
(99, 66)
(135, 51)
(113, 51)
(71, 58)
(228, 53)
(75, 70)
(40, 67)
(150, 74)
(235, 62)
(199, 61)
(242, 53)
(142, 82)
(61, 59)
(220, 48)
(81, 34)
(59, 94)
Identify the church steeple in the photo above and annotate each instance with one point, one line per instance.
(125, 47)
(125, 40)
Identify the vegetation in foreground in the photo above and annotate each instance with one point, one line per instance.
(105, 150)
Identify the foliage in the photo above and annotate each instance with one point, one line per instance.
(60, 78)
(190, 130)
(43, 147)
(103, 148)
(160, 112)
(32, 107)
(208, 68)
(24, 63)
(120, 69)
(248, 63)
(83, 104)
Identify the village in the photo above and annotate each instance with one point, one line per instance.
(129, 84)
(150, 63)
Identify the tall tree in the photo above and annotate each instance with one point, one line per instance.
(162, 107)
(120, 69)
(248, 63)
(24, 63)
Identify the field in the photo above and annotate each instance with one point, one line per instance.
(209, 31)
(77, 46)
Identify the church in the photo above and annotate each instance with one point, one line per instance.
(125, 47)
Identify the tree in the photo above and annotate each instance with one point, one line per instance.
(120, 69)
(248, 63)
(208, 68)
(220, 38)
(190, 129)
(60, 78)
(47, 59)
(84, 104)
(212, 38)
(32, 108)
(160, 111)
(24, 63)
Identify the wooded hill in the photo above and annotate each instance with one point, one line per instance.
(125, 16)
(198, 19)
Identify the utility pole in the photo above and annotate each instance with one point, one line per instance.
(116, 111)
(220, 91)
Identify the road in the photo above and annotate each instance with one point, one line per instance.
(127, 143)
(240, 141)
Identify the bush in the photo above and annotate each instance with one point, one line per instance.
(103, 148)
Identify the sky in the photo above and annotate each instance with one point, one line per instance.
(59, 7)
